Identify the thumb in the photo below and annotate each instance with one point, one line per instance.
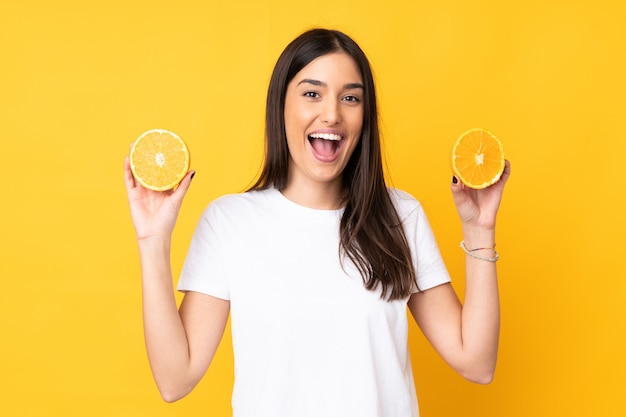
(182, 188)
(457, 189)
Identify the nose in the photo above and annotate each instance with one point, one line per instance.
(331, 114)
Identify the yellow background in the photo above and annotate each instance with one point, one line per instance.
(81, 80)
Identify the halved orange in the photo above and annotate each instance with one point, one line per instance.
(159, 159)
(477, 158)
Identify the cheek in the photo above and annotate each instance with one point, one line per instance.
(356, 122)
(353, 147)
(290, 128)
(296, 120)
(357, 131)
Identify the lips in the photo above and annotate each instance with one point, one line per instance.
(326, 146)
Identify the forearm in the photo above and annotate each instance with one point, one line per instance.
(481, 307)
(165, 337)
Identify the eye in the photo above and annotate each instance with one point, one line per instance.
(311, 94)
(352, 99)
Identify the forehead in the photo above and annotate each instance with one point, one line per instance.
(334, 67)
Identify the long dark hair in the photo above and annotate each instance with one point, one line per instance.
(371, 233)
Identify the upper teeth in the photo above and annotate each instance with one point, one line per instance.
(325, 136)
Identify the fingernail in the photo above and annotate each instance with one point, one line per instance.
(454, 180)
(192, 175)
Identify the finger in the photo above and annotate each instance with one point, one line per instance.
(127, 164)
(458, 190)
(507, 170)
(129, 179)
(182, 188)
(505, 175)
(457, 185)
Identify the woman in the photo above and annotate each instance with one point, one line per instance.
(317, 263)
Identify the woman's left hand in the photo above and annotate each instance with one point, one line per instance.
(479, 207)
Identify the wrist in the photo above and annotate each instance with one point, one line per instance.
(479, 237)
(156, 242)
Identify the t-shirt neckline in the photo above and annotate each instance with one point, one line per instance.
(279, 196)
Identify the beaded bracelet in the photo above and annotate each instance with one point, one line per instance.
(471, 253)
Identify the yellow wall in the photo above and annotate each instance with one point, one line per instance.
(80, 80)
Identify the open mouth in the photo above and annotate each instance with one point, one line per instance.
(325, 145)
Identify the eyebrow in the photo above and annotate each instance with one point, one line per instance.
(349, 86)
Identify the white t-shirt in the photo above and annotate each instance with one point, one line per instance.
(309, 340)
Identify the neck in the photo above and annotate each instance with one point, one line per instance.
(324, 196)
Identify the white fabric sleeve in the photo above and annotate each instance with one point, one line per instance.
(205, 268)
(429, 266)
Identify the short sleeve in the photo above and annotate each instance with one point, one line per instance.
(204, 269)
(427, 261)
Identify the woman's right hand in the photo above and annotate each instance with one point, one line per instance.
(154, 213)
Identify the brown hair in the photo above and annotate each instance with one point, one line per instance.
(371, 233)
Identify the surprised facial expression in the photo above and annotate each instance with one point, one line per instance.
(323, 119)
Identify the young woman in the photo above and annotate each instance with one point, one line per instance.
(317, 262)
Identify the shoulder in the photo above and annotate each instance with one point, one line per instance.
(405, 204)
(241, 200)
(240, 205)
